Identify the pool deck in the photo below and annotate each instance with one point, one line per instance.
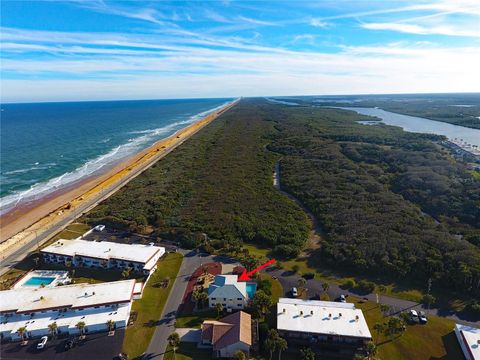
(59, 277)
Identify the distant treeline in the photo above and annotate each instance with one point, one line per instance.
(219, 183)
(457, 110)
(367, 185)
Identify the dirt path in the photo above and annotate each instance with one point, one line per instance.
(316, 233)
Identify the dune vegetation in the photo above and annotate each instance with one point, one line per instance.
(391, 203)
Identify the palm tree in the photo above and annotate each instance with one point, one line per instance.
(307, 354)
(281, 346)
(382, 289)
(126, 272)
(81, 327)
(174, 341)
(21, 332)
(205, 270)
(203, 297)
(219, 308)
(384, 308)
(239, 355)
(269, 346)
(52, 329)
(301, 283)
(110, 325)
(371, 349)
(325, 286)
(196, 297)
(378, 327)
(272, 341)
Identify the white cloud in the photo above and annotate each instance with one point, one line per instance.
(319, 23)
(422, 30)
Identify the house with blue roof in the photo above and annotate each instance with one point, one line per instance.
(231, 293)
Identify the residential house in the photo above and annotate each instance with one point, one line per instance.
(228, 335)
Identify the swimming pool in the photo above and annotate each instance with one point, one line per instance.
(251, 288)
(39, 281)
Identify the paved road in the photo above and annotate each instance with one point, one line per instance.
(165, 327)
(289, 280)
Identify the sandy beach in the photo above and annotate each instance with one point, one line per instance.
(26, 222)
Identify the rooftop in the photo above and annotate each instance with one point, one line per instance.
(104, 250)
(228, 330)
(24, 299)
(227, 286)
(471, 340)
(321, 317)
(40, 320)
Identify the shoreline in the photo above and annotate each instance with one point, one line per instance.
(43, 214)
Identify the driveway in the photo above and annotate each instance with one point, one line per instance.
(95, 346)
(191, 261)
(189, 335)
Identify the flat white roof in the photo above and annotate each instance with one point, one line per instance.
(321, 317)
(471, 341)
(104, 250)
(24, 299)
(70, 319)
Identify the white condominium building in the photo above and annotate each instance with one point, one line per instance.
(34, 309)
(104, 254)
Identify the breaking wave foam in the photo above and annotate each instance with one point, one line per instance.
(118, 153)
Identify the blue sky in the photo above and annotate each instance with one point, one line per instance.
(83, 50)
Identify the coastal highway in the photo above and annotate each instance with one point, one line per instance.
(11, 257)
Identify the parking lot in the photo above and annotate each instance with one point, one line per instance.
(95, 346)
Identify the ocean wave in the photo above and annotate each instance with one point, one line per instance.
(133, 145)
(35, 167)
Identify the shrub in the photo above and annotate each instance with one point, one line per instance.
(308, 275)
(265, 285)
(366, 286)
(295, 268)
(349, 284)
(474, 308)
(428, 299)
(286, 251)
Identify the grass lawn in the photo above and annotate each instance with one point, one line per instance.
(195, 320)
(72, 231)
(432, 341)
(187, 351)
(277, 288)
(150, 307)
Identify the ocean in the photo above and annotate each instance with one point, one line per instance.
(46, 146)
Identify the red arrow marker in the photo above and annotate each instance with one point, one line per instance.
(246, 276)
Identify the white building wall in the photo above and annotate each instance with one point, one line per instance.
(230, 350)
(228, 303)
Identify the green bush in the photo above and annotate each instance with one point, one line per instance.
(365, 286)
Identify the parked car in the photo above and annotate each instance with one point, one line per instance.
(42, 343)
(413, 315)
(70, 343)
(422, 317)
(294, 292)
(99, 228)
